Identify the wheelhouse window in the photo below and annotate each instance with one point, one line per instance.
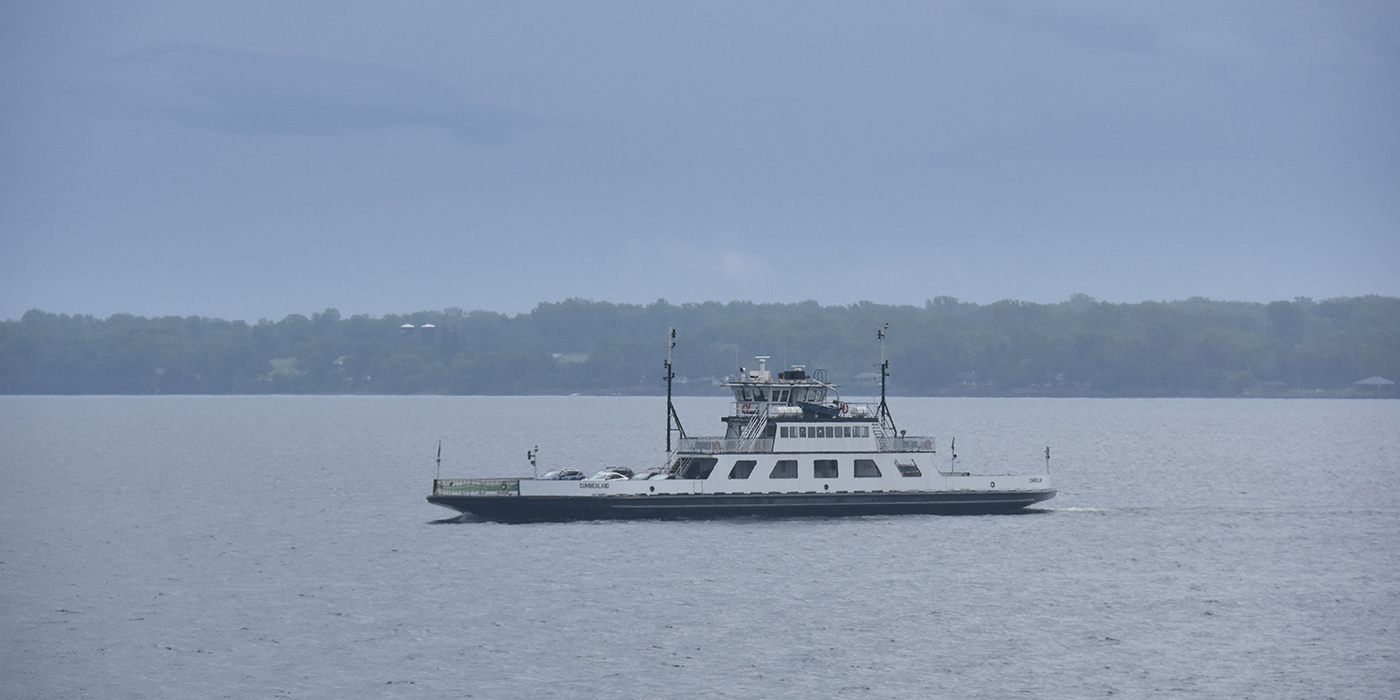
(909, 469)
(784, 469)
(824, 469)
(867, 468)
(697, 467)
(742, 469)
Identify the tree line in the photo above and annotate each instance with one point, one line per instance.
(1079, 347)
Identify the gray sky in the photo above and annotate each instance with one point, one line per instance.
(254, 159)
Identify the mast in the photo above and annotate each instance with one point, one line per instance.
(671, 415)
(884, 411)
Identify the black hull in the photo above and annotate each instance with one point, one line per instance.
(533, 509)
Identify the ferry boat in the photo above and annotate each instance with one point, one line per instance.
(791, 447)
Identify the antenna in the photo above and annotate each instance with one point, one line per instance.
(884, 411)
(531, 455)
(439, 461)
(671, 415)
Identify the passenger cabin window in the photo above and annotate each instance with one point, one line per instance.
(824, 469)
(909, 469)
(697, 467)
(784, 469)
(742, 469)
(867, 468)
(846, 431)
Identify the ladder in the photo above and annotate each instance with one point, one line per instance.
(753, 430)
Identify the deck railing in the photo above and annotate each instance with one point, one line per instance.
(904, 444)
(719, 445)
(476, 487)
(855, 409)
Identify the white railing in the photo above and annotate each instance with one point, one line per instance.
(716, 445)
(476, 487)
(904, 444)
(855, 409)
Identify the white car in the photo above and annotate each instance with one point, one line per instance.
(606, 475)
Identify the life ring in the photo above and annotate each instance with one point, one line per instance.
(845, 408)
(747, 408)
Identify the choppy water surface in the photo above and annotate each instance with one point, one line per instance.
(178, 547)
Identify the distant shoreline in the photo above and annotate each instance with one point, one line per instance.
(1335, 348)
(1331, 396)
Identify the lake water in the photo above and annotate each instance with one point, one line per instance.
(207, 547)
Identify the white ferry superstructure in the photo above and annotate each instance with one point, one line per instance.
(791, 447)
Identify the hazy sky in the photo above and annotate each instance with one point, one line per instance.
(251, 159)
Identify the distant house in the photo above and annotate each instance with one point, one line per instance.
(1375, 385)
(281, 367)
